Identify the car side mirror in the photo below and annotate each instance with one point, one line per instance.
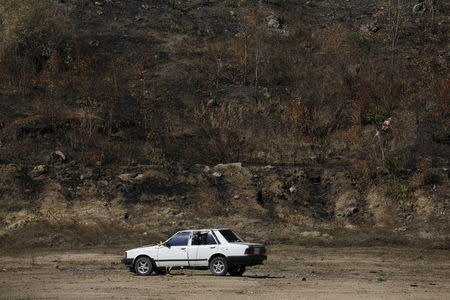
(167, 245)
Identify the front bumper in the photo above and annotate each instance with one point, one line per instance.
(128, 262)
(247, 260)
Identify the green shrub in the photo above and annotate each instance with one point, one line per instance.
(376, 115)
(397, 188)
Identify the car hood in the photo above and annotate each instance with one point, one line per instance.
(142, 247)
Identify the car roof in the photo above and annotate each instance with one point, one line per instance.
(204, 229)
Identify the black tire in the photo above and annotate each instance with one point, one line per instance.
(143, 266)
(218, 266)
(237, 270)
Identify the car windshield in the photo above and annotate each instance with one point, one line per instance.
(230, 236)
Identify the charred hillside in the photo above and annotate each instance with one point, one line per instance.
(125, 115)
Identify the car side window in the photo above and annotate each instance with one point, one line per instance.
(203, 239)
(179, 239)
(210, 239)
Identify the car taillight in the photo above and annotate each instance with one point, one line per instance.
(249, 251)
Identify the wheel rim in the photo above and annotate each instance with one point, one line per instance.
(143, 267)
(218, 266)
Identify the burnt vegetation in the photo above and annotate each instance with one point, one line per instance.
(290, 83)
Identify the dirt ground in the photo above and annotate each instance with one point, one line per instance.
(291, 272)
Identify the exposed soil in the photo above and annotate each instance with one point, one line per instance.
(290, 272)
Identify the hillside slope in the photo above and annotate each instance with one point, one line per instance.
(114, 116)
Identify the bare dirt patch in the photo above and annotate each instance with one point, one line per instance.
(290, 272)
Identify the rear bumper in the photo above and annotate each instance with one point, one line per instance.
(247, 260)
(128, 262)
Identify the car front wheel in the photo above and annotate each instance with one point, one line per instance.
(143, 266)
(237, 270)
(218, 266)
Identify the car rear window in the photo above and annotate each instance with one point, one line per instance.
(230, 236)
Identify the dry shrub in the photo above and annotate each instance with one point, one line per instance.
(362, 173)
(154, 155)
(96, 232)
(50, 109)
(298, 116)
(332, 38)
(32, 31)
(425, 175)
(92, 156)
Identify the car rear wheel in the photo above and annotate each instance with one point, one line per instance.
(218, 266)
(143, 266)
(237, 270)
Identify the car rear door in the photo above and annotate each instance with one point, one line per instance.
(199, 253)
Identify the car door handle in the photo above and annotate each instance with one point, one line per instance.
(183, 248)
(212, 247)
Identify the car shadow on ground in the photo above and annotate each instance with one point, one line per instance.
(262, 277)
(227, 276)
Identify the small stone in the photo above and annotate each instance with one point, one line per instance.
(211, 103)
(273, 22)
(236, 197)
(145, 6)
(128, 177)
(354, 69)
(304, 279)
(374, 28)
(431, 106)
(98, 163)
(99, 12)
(98, 3)
(265, 92)
(419, 8)
(310, 234)
(400, 229)
(217, 174)
(139, 177)
(60, 155)
(145, 233)
(94, 43)
(229, 165)
(292, 189)
(38, 170)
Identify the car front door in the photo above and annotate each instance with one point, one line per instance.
(201, 249)
(174, 252)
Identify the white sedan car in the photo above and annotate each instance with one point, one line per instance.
(220, 250)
